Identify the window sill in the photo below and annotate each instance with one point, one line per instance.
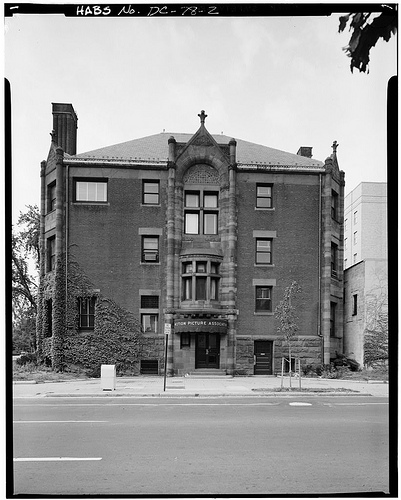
(97, 203)
(156, 205)
(150, 263)
(263, 313)
(266, 209)
(264, 265)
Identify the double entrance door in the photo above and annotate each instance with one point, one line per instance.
(207, 351)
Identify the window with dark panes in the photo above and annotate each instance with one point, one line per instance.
(151, 193)
(149, 313)
(263, 251)
(86, 313)
(150, 249)
(51, 197)
(185, 340)
(334, 205)
(264, 196)
(51, 253)
(334, 260)
(333, 308)
(263, 299)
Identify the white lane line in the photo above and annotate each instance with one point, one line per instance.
(354, 404)
(295, 403)
(56, 459)
(110, 405)
(60, 421)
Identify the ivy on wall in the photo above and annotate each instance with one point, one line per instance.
(117, 335)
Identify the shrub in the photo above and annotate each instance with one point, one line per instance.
(29, 357)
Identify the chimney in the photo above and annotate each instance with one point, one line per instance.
(305, 151)
(65, 124)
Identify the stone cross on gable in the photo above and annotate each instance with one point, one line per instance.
(202, 117)
(335, 146)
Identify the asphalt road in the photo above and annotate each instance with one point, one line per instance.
(242, 446)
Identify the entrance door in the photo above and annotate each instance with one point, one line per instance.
(263, 357)
(207, 350)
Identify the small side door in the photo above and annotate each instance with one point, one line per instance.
(263, 357)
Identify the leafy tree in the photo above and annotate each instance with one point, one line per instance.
(285, 313)
(24, 255)
(376, 331)
(365, 33)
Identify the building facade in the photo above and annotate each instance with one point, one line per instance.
(195, 236)
(365, 263)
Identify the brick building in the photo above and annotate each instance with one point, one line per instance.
(199, 232)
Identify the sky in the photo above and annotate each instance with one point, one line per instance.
(283, 82)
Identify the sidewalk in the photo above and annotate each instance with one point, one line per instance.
(148, 386)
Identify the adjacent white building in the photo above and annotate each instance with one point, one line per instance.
(365, 261)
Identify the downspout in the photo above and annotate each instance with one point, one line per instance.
(232, 250)
(170, 279)
(319, 312)
(67, 213)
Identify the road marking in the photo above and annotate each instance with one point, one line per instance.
(354, 404)
(56, 459)
(151, 404)
(60, 421)
(296, 403)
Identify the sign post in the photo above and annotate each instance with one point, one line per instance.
(167, 331)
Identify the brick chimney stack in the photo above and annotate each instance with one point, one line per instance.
(65, 124)
(305, 151)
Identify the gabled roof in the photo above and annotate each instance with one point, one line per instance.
(154, 148)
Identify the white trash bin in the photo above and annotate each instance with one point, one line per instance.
(108, 377)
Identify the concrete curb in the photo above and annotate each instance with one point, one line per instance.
(259, 394)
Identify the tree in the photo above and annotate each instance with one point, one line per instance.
(285, 313)
(24, 255)
(366, 32)
(376, 331)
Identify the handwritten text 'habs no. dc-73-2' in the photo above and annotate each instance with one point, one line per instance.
(147, 11)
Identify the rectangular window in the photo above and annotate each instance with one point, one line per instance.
(355, 237)
(149, 302)
(214, 288)
(333, 307)
(355, 258)
(334, 257)
(150, 249)
(149, 322)
(191, 200)
(200, 288)
(49, 316)
(198, 216)
(86, 313)
(354, 305)
(149, 367)
(346, 244)
(334, 205)
(187, 289)
(91, 191)
(263, 299)
(191, 223)
(356, 217)
(264, 196)
(185, 340)
(345, 224)
(51, 253)
(209, 223)
(264, 251)
(151, 193)
(51, 197)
